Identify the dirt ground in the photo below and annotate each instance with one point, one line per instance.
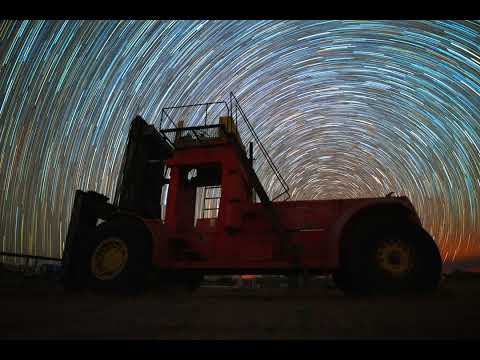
(41, 309)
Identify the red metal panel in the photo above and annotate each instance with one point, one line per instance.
(316, 250)
(307, 214)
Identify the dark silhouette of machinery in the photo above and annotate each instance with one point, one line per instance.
(219, 219)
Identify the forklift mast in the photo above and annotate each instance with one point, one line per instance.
(142, 173)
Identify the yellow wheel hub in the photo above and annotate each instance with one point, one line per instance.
(109, 258)
(395, 257)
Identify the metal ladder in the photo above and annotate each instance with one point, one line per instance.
(206, 198)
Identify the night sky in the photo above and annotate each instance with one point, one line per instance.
(346, 108)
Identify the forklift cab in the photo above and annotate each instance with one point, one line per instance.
(206, 191)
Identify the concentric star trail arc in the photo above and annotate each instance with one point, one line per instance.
(346, 109)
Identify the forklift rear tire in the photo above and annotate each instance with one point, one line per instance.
(394, 259)
(119, 258)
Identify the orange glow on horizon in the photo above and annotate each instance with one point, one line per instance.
(247, 277)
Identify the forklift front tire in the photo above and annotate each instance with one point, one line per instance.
(119, 258)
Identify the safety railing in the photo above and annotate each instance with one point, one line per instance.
(202, 116)
(248, 133)
(198, 110)
(189, 135)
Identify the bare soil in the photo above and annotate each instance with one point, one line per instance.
(42, 309)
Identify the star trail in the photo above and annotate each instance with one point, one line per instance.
(346, 109)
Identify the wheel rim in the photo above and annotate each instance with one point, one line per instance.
(109, 258)
(395, 257)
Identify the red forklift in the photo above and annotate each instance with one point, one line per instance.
(205, 200)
